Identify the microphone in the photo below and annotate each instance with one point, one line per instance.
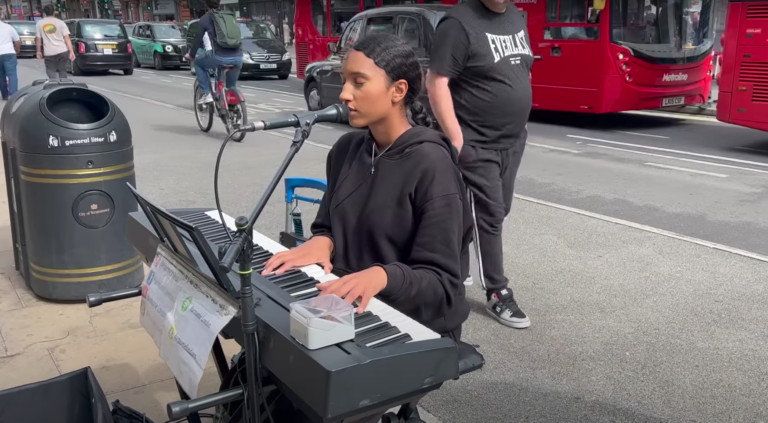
(338, 113)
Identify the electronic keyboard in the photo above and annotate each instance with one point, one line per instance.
(392, 360)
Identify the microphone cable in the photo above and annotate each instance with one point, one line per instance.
(256, 359)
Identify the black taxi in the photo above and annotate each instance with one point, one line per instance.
(415, 24)
(100, 45)
(26, 31)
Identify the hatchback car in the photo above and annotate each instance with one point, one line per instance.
(158, 44)
(263, 53)
(414, 24)
(26, 31)
(100, 45)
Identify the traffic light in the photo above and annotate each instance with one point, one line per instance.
(149, 7)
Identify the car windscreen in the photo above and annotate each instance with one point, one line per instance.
(256, 30)
(167, 32)
(102, 30)
(23, 28)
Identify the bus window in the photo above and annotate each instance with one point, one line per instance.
(561, 13)
(342, 11)
(319, 17)
(370, 4)
(394, 2)
(380, 25)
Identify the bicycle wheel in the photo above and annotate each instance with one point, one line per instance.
(203, 112)
(238, 116)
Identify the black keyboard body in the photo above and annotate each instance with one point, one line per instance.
(340, 383)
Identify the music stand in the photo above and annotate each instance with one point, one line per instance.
(171, 230)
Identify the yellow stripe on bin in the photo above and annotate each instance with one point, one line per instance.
(76, 171)
(86, 270)
(88, 278)
(76, 180)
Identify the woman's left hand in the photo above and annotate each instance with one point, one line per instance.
(358, 286)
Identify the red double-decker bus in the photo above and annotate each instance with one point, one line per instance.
(593, 56)
(743, 66)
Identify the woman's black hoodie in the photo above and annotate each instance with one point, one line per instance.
(406, 211)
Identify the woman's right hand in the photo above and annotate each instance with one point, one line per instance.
(315, 251)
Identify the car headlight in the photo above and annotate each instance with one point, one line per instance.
(287, 56)
(247, 57)
(169, 49)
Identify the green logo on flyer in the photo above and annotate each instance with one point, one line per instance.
(185, 305)
(172, 333)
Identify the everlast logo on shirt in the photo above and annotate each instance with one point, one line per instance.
(673, 77)
(508, 45)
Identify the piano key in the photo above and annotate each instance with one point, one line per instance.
(287, 277)
(296, 294)
(307, 295)
(371, 330)
(397, 339)
(378, 335)
(301, 287)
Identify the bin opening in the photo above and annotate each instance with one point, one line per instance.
(77, 105)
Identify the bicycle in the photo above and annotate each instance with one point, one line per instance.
(228, 104)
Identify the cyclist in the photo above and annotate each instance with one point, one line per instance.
(224, 34)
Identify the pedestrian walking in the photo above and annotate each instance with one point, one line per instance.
(53, 40)
(480, 91)
(10, 44)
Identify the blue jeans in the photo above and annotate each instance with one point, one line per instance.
(205, 60)
(8, 70)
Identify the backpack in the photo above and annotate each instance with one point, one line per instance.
(227, 30)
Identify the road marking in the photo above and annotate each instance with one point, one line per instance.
(643, 135)
(145, 77)
(668, 150)
(142, 71)
(679, 116)
(314, 144)
(647, 228)
(751, 149)
(186, 83)
(287, 94)
(682, 159)
(685, 169)
(282, 85)
(567, 150)
(249, 94)
(146, 100)
(324, 126)
(283, 101)
(182, 77)
(167, 80)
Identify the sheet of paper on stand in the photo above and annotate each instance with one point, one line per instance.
(322, 321)
(183, 315)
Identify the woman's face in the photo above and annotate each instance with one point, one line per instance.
(367, 91)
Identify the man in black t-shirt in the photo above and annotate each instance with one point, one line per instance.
(480, 91)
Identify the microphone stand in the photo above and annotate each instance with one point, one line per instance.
(241, 249)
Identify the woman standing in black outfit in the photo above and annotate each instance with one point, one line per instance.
(394, 222)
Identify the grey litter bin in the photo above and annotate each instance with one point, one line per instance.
(69, 157)
(6, 167)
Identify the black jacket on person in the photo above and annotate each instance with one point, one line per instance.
(407, 212)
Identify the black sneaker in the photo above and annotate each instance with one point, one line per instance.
(503, 307)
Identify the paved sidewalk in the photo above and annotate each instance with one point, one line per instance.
(41, 340)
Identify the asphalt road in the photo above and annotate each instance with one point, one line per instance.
(638, 247)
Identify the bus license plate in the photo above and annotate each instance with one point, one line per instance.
(269, 66)
(673, 101)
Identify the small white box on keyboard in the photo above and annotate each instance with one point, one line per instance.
(322, 321)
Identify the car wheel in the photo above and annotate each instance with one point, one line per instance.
(159, 62)
(284, 75)
(136, 63)
(312, 95)
(76, 71)
(128, 71)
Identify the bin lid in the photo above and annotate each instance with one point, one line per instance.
(69, 118)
